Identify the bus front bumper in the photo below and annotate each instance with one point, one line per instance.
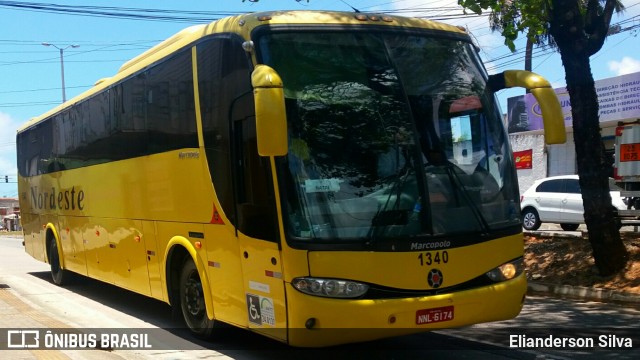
(318, 321)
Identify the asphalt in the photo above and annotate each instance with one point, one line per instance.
(586, 293)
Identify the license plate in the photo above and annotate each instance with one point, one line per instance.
(428, 316)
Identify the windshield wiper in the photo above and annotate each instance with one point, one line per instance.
(458, 185)
(395, 216)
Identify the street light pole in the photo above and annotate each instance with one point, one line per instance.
(62, 49)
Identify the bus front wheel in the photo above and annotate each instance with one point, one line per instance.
(192, 302)
(58, 274)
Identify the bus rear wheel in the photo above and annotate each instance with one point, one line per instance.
(58, 274)
(194, 310)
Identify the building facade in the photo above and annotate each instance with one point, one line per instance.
(10, 214)
(618, 100)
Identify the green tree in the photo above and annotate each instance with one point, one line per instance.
(578, 29)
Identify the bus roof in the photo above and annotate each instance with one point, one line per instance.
(243, 25)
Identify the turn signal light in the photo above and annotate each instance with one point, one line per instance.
(507, 271)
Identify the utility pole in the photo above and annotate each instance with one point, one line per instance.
(62, 49)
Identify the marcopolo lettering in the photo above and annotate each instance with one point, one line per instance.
(63, 199)
(431, 245)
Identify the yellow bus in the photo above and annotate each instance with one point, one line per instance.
(316, 177)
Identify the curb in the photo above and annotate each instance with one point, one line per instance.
(583, 292)
(559, 234)
(554, 234)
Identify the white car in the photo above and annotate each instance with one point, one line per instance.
(558, 200)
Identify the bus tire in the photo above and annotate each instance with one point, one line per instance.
(58, 274)
(194, 310)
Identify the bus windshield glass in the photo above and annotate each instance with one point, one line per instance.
(391, 135)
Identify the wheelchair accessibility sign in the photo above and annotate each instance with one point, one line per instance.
(260, 310)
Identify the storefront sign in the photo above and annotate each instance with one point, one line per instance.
(523, 159)
(618, 99)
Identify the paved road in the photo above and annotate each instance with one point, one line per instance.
(29, 300)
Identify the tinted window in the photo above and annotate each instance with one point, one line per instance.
(572, 186)
(150, 112)
(127, 135)
(170, 110)
(35, 150)
(229, 129)
(223, 77)
(80, 133)
(215, 123)
(552, 186)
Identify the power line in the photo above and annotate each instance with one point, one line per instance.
(43, 89)
(52, 61)
(8, 179)
(36, 103)
(196, 16)
(119, 12)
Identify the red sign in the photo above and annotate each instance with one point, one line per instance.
(629, 152)
(523, 159)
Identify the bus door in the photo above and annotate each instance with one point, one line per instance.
(256, 230)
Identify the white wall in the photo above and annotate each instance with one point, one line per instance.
(548, 160)
(562, 158)
(538, 170)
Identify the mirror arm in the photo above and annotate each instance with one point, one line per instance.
(552, 116)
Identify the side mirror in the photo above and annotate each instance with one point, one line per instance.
(552, 117)
(271, 119)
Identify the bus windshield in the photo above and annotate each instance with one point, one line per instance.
(391, 135)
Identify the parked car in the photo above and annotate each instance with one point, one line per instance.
(558, 200)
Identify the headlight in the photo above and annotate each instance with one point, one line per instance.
(507, 271)
(333, 288)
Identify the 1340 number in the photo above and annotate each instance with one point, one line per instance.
(437, 257)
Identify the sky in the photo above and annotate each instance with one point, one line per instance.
(30, 73)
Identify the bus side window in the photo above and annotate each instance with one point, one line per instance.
(254, 191)
(215, 120)
(256, 213)
(170, 121)
(45, 135)
(228, 122)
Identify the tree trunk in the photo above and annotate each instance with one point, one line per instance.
(609, 252)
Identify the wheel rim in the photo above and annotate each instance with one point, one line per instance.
(529, 220)
(193, 295)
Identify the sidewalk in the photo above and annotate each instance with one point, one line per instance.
(19, 317)
(587, 293)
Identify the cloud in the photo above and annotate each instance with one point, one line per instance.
(627, 65)
(8, 127)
